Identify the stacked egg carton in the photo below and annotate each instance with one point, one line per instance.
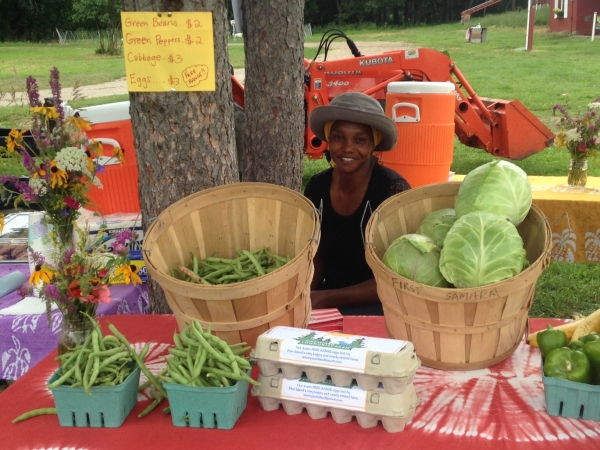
(345, 375)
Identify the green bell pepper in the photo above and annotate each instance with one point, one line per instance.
(576, 345)
(593, 336)
(549, 339)
(592, 351)
(568, 364)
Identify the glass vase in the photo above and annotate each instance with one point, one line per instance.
(578, 170)
(74, 331)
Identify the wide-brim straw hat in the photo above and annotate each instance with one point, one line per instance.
(359, 108)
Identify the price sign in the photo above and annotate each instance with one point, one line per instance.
(168, 52)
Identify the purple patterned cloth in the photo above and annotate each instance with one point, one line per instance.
(26, 339)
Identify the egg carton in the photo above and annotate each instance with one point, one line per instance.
(395, 385)
(369, 407)
(343, 358)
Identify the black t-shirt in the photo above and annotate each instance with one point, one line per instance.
(341, 246)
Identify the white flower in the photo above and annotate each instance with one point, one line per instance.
(572, 135)
(71, 159)
(595, 105)
(38, 186)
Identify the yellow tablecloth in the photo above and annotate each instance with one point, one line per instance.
(574, 214)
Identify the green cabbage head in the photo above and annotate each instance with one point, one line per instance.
(481, 248)
(437, 224)
(415, 257)
(499, 187)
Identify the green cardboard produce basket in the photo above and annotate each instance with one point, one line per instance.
(567, 398)
(207, 407)
(104, 406)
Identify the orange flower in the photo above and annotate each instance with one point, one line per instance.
(74, 290)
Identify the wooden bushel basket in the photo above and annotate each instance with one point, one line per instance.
(219, 221)
(453, 329)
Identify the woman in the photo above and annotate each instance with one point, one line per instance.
(354, 125)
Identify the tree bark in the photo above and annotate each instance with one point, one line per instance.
(275, 118)
(185, 141)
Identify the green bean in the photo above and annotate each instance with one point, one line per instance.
(177, 352)
(114, 358)
(62, 379)
(177, 341)
(110, 352)
(140, 363)
(230, 375)
(144, 351)
(252, 258)
(87, 373)
(213, 275)
(167, 410)
(195, 263)
(148, 383)
(35, 413)
(208, 347)
(147, 411)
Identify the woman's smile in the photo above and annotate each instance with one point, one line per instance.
(350, 144)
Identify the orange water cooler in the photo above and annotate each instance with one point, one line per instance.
(423, 113)
(111, 125)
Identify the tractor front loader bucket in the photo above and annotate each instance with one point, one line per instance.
(516, 132)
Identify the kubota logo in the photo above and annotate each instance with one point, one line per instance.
(376, 61)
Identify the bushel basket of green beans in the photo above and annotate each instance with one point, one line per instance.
(214, 270)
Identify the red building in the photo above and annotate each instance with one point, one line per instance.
(573, 16)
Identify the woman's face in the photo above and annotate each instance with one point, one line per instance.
(350, 145)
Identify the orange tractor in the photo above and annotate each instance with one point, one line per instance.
(503, 128)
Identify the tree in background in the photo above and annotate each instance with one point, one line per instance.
(274, 46)
(185, 140)
(33, 20)
(101, 15)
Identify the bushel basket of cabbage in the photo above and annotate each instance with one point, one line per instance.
(456, 265)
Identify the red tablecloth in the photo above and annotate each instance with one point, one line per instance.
(501, 407)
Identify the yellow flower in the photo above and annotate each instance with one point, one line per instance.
(118, 153)
(15, 139)
(41, 172)
(1, 223)
(94, 149)
(58, 176)
(129, 273)
(40, 274)
(49, 112)
(79, 122)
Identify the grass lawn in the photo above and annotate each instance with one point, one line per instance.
(560, 69)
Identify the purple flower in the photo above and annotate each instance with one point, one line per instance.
(33, 92)
(28, 162)
(24, 290)
(51, 291)
(123, 236)
(55, 88)
(37, 258)
(120, 249)
(67, 255)
(100, 169)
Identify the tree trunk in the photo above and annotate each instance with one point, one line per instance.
(274, 46)
(185, 141)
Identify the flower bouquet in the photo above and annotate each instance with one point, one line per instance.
(581, 137)
(80, 278)
(63, 167)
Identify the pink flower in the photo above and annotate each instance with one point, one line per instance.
(72, 203)
(582, 148)
(99, 295)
